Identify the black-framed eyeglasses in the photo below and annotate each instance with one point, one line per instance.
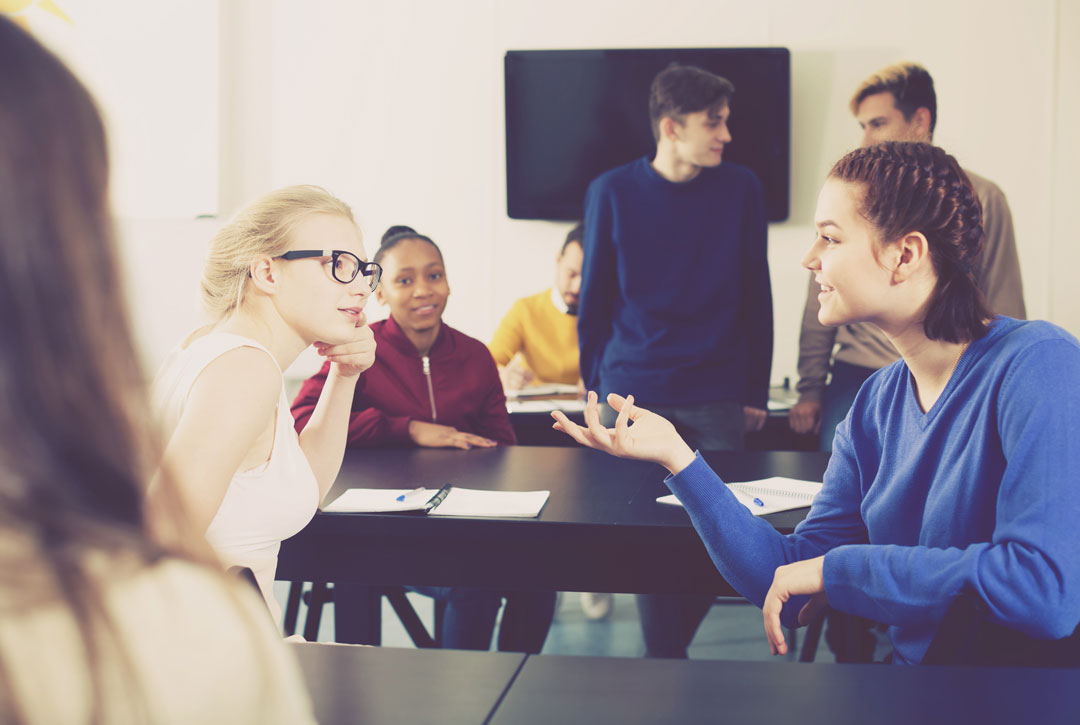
(344, 265)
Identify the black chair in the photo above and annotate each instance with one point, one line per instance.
(322, 593)
(967, 637)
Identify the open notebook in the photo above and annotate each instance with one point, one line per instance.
(446, 501)
(768, 495)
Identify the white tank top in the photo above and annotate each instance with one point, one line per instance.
(262, 505)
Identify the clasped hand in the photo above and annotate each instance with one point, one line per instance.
(352, 357)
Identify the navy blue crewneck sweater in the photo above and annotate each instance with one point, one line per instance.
(675, 305)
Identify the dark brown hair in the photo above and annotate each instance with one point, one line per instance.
(74, 454)
(681, 89)
(910, 84)
(917, 187)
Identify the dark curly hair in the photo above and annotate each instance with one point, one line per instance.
(912, 187)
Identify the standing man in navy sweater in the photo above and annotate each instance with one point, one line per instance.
(675, 300)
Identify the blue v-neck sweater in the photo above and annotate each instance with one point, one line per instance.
(980, 493)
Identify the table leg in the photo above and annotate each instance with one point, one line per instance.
(357, 614)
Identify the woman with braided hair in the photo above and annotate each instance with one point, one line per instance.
(955, 469)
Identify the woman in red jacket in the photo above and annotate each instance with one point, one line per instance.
(432, 386)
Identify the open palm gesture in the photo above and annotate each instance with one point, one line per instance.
(638, 433)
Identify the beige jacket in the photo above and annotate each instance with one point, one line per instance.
(997, 272)
(192, 652)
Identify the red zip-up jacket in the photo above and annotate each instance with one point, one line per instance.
(456, 385)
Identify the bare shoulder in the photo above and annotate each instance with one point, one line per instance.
(245, 374)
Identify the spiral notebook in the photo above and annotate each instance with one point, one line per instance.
(446, 501)
(768, 495)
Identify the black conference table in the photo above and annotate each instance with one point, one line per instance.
(601, 529)
(383, 685)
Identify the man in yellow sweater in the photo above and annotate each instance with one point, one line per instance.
(543, 327)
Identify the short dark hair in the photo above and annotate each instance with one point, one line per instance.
(909, 83)
(576, 236)
(397, 234)
(909, 187)
(681, 89)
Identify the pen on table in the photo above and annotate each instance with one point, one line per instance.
(410, 493)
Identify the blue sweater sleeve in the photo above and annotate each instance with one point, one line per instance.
(598, 285)
(755, 301)
(1029, 572)
(746, 549)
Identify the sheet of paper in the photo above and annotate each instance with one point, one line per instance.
(459, 502)
(502, 504)
(370, 500)
(774, 494)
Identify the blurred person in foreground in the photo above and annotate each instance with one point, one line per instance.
(110, 610)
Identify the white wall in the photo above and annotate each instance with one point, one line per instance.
(397, 108)
(1064, 251)
(154, 69)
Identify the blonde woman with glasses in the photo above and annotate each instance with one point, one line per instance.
(288, 272)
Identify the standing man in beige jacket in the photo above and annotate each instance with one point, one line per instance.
(897, 103)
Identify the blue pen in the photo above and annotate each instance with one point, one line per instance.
(410, 493)
(758, 502)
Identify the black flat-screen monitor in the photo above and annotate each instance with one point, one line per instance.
(573, 114)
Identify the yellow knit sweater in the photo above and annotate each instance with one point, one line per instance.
(545, 336)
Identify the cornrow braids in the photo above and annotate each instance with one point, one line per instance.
(910, 187)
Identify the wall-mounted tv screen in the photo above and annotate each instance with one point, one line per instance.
(573, 114)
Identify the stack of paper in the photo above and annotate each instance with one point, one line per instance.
(545, 406)
(544, 390)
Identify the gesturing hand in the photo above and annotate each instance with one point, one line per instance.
(800, 577)
(433, 435)
(650, 438)
(353, 357)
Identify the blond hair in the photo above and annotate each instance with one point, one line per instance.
(909, 83)
(261, 228)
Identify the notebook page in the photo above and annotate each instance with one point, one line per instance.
(775, 494)
(502, 504)
(370, 500)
